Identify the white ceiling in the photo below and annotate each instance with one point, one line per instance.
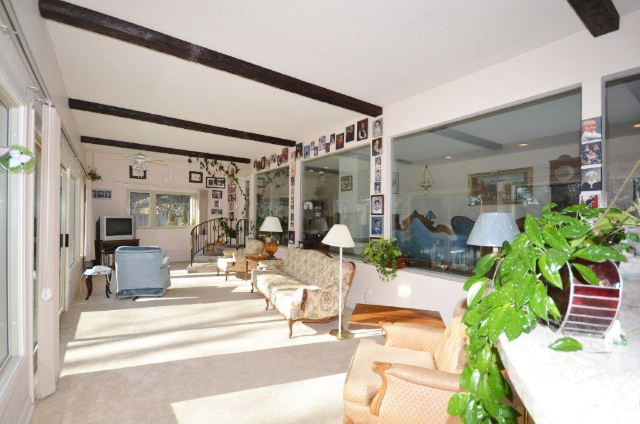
(375, 50)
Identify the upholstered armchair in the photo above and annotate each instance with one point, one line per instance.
(409, 378)
(141, 271)
(235, 260)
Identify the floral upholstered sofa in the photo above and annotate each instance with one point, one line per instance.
(304, 286)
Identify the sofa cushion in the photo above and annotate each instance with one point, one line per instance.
(315, 268)
(362, 383)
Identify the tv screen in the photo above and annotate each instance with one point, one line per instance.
(119, 227)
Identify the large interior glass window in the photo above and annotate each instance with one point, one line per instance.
(516, 160)
(622, 142)
(4, 241)
(336, 190)
(272, 191)
(151, 209)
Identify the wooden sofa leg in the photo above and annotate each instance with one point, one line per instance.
(291, 328)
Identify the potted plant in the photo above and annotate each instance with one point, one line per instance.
(384, 255)
(93, 175)
(509, 294)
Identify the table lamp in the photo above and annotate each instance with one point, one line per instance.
(492, 229)
(271, 225)
(339, 236)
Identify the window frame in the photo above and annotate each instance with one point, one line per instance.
(193, 207)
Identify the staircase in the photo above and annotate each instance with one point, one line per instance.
(209, 237)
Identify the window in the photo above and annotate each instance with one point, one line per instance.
(272, 190)
(153, 209)
(4, 241)
(516, 161)
(336, 190)
(622, 139)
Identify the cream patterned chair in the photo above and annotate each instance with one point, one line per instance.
(304, 285)
(410, 378)
(235, 260)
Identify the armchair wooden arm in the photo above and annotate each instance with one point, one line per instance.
(412, 336)
(402, 383)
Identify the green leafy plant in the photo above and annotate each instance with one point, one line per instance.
(215, 168)
(384, 255)
(508, 294)
(93, 175)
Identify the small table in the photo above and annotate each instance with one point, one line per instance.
(369, 316)
(253, 262)
(97, 270)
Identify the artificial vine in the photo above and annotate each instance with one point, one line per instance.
(521, 274)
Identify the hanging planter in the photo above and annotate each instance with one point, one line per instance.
(93, 175)
(384, 254)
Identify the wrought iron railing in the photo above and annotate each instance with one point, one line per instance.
(219, 232)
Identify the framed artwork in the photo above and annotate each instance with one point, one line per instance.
(101, 194)
(322, 143)
(210, 182)
(377, 226)
(591, 179)
(376, 147)
(636, 189)
(232, 206)
(339, 141)
(196, 177)
(216, 211)
(216, 194)
(590, 198)
(285, 154)
(141, 174)
(591, 153)
(263, 162)
(217, 182)
(216, 203)
(378, 161)
(377, 127)
(363, 129)
(377, 187)
(350, 133)
(299, 151)
(377, 204)
(231, 187)
(378, 175)
(332, 139)
(327, 147)
(292, 237)
(591, 129)
(232, 198)
(232, 215)
(346, 183)
(499, 187)
(314, 148)
(307, 151)
(274, 158)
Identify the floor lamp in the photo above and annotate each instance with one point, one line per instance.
(339, 236)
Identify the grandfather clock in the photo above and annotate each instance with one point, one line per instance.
(564, 178)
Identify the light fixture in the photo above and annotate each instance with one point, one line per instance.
(427, 179)
(492, 229)
(448, 157)
(271, 225)
(636, 125)
(339, 236)
(523, 144)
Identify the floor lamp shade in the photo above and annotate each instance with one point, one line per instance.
(271, 224)
(492, 229)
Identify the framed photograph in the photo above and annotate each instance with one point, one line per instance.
(231, 187)
(216, 203)
(232, 206)
(636, 189)
(210, 182)
(314, 148)
(216, 211)
(591, 153)
(218, 182)
(591, 179)
(274, 158)
(322, 143)
(378, 161)
(378, 175)
(100, 194)
(327, 147)
(216, 194)
(232, 198)
(376, 147)
(363, 129)
(339, 141)
(591, 129)
(263, 162)
(285, 154)
(232, 215)
(499, 187)
(590, 198)
(350, 133)
(292, 237)
(377, 226)
(299, 151)
(377, 127)
(332, 139)
(196, 177)
(377, 204)
(141, 175)
(307, 151)
(256, 164)
(346, 183)
(377, 187)
(107, 194)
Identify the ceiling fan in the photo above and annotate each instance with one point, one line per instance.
(140, 160)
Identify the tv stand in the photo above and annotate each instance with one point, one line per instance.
(106, 247)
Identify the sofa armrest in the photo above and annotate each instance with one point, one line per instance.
(239, 255)
(401, 382)
(228, 253)
(408, 335)
(271, 265)
(165, 261)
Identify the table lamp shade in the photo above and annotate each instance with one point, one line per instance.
(271, 224)
(339, 236)
(492, 229)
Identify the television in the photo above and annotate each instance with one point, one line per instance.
(116, 228)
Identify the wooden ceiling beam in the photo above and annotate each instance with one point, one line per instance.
(599, 16)
(174, 122)
(159, 149)
(110, 26)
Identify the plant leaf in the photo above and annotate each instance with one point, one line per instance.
(497, 322)
(574, 231)
(532, 229)
(587, 273)
(566, 344)
(553, 277)
(485, 263)
(556, 259)
(553, 237)
(599, 254)
(515, 324)
(538, 301)
(475, 293)
(458, 403)
(524, 289)
(472, 280)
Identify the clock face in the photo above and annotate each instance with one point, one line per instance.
(564, 173)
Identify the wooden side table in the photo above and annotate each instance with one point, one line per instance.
(369, 316)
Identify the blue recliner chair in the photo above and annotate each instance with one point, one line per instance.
(141, 271)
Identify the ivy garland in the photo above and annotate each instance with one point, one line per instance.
(215, 168)
(523, 271)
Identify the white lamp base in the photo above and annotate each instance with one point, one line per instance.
(341, 335)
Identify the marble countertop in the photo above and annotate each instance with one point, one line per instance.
(589, 386)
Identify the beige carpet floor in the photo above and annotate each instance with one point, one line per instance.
(207, 352)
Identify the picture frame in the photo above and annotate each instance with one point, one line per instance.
(231, 187)
(217, 182)
(376, 147)
(590, 198)
(498, 187)
(232, 198)
(209, 182)
(138, 174)
(322, 141)
(292, 237)
(377, 128)
(339, 141)
(299, 151)
(377, 226)
(591, 179)
(363, 129)
(346, 183)
(196, 177)
(307, 151)
(591, 129)
(216, 211)
(216, 194)
(591, 153)
(350, 133)
(216, 204)
(377, 204)
(377, 187)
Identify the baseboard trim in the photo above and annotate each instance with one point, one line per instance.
(27, 413)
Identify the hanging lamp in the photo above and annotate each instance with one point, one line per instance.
(427, 179)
